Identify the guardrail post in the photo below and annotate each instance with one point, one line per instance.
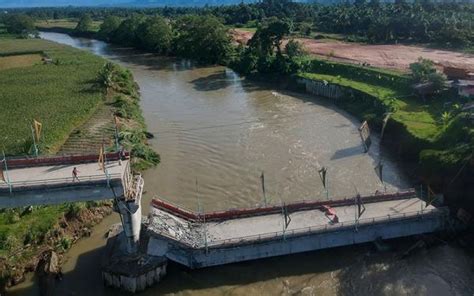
(10, 187)
(35, 147)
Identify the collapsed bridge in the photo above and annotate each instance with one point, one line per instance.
(206, 239)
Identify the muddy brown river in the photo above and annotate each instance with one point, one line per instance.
(216, 133)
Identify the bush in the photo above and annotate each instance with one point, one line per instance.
(65, 243)
(74, 209)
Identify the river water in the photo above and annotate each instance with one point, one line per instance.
(216, 133)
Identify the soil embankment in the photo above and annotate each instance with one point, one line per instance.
(393, 56)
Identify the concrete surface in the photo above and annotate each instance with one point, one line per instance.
(49, 175)
(198, 245)
(48, 185)
(264, 226)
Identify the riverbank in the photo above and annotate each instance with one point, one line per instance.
(74, 96)
(213, 126)
(433, 136)
(59, 232)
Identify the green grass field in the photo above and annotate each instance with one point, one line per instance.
(61, 95)
(19, 61)
(64, 24)
(419, 118)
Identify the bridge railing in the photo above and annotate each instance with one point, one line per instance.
(331, 227)
(26, 184)
(273, 208)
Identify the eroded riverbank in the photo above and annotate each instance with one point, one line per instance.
(213, 127)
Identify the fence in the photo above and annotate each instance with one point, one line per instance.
(295, 206)
(58, 182)
(60, 160)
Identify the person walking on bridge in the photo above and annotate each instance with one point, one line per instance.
(75, 171)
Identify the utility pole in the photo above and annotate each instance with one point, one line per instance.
(323, 175)
(200, 212)
(117, 146)
(262, 179)
(379, 170)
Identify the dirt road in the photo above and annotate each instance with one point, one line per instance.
(393, 56)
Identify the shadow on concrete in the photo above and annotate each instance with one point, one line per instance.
(347, 152)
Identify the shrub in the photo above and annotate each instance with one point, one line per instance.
(65, 243)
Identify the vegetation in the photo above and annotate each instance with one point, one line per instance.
(445, 24)
(108, 27)
(19, 61)
(84, 25)
(202, 38)
(19, 24)
(424, 71)
(123, 94)
(436, 134)
(65, 25)
(156, 35)
(61, 95)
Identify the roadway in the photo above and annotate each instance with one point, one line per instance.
(53, 184)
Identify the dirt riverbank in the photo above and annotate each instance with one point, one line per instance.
(392, 56)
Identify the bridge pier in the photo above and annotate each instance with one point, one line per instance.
(130, 210)
(131, 215)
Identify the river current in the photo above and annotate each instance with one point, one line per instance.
(216, 133)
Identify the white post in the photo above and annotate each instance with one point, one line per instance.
(6, 173)
(35, 147)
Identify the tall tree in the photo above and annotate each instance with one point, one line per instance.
(127, 33)
(108, 27)
(156, 35)
(202, 38)
(19, 24)
(84, 25)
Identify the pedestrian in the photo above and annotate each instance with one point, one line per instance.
(74, 174)
(121, 154)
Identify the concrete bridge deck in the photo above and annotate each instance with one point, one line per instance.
(25, 178)
(49, 181)
(196, 243)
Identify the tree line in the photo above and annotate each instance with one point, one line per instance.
(205, 39)
(444, 23)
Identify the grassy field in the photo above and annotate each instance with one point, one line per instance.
(419, 118)
(19, 61)
(61, 95)
(64, 24)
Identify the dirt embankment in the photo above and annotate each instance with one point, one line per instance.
(393, 56)
(73, 226)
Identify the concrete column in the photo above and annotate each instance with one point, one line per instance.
(131, 212)
(130, 208)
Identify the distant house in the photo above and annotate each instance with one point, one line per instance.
(455, 72)
(469, 108)
(424, 89)
(465, 88)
